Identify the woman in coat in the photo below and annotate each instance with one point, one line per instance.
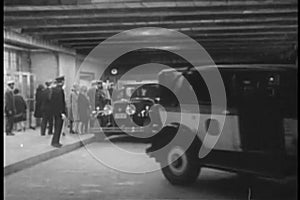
(73, 111)
(84, 109)
(21, 107)
(38, 101)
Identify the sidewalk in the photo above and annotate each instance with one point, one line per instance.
(28, 148)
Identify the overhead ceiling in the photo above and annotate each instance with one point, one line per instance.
(254, 30)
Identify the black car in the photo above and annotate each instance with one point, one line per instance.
(130, 112)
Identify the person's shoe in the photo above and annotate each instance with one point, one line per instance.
(63, 134)
(11, 134)
(57, 145)
(42, 134)
(50, 133)
(72, 132)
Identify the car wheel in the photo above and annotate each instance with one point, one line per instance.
(181, 168)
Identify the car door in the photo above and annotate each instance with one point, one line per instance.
(260, 120)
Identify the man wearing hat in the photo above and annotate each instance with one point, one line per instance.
(10, 109)
(46, 109)
(58, 108)
(101, 99)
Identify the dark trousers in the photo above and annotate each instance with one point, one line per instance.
(71, 126)
(9, 124)
(47, 119)
(58, 123)
(102, 121)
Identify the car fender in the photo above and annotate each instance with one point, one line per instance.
(167, 133)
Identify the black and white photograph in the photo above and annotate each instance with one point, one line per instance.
(150, 99)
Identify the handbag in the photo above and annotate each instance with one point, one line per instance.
(19, 117)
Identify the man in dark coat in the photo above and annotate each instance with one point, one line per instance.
(46, 109)
(21, 110)
(38, 101)
(58, 107)
(101, 99)
(10, 109)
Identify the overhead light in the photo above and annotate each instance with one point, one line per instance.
(114, 71)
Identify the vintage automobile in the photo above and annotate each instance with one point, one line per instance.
(130, 112)
(259, 136)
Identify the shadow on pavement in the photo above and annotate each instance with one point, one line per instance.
(234, 187)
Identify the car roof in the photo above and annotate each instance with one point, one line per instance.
(238, 67)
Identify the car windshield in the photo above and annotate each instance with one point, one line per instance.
(147, 90)
(138, 90)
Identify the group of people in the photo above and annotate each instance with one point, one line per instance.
(51, 107)
(77, 114)
(14, 109)
(82, 102)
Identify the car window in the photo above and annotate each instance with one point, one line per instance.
(262, 86)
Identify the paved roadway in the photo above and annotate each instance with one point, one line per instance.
(78, 175)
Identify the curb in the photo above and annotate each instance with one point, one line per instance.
(18, 166)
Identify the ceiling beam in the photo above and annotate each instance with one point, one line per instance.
(183, 9)
(190, 30)
(195, 31)
(204, 37)
(196, 35)
(232, 47)
(26, 41)
(223, 41)
(12, 6)
(165, 24)
(146, 17)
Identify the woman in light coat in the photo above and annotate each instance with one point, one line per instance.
(84, 109)
(73, 114)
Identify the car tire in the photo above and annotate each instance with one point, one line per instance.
(184, 169)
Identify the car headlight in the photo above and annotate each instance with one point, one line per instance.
(108, 110)
(130, 109)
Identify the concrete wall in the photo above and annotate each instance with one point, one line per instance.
(44, 65)
(24, 61)
(49, 65)
(16, 60)
(67, 67)
(90, 68)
